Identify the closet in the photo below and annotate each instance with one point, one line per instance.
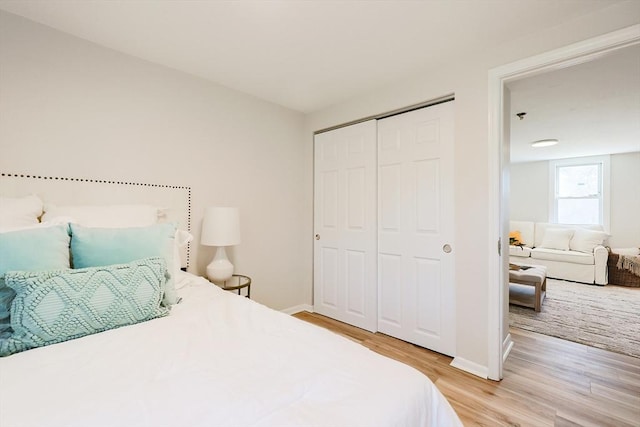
(383, 224)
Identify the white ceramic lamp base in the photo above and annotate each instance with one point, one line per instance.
(220, 269)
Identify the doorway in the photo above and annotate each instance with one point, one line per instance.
(499, 338)
(592, 110)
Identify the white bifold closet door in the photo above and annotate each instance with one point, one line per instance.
(345, 286)
(416, 294)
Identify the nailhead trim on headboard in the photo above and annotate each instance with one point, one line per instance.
(102, 181)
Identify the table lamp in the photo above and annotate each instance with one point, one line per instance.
(220, 228)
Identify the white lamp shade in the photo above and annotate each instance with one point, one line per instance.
(220, 227)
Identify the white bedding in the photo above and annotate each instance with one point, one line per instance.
(217, 360)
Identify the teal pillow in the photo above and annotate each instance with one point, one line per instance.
(33, 249)
(94, 247)
(60, 305)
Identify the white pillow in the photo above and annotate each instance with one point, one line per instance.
(182, 238)
(108, 216)
(56, 221)
(19, 212)
(557, 238)
(586, 240)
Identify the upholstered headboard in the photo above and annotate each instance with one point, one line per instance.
(173, 199)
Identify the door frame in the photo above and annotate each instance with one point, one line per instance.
(574, 54)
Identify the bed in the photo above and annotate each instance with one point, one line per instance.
(210, 358)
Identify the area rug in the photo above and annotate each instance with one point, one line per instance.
(606, 317)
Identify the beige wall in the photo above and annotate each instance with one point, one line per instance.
(71, 108)
(529, 199)
(468, 79)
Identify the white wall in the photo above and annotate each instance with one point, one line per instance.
(468, 79)
(530, 196)
(71, 108)
(625, 200)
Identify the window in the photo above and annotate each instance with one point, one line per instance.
(579, 191)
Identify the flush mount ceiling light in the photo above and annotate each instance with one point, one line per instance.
(544, 143)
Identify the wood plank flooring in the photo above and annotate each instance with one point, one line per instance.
(547, 381)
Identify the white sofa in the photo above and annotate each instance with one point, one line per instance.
(570, 252)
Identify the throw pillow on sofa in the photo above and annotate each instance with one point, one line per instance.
(515, 238)
(586, 240)
(557, 238)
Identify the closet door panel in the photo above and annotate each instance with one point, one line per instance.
(427, 196)
(328, 197)
(416, 225)
(427, 296)
(356, 264)
(389, 195)
(356, 199)
(345, 217)
(390, 295)
(328, 278)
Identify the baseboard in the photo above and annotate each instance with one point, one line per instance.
(298, 308)
(470, 367)
(507, 345)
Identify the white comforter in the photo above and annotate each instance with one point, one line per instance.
(217, 360)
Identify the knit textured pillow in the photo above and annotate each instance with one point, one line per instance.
(60, 305)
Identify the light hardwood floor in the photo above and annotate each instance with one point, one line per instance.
(547, 381)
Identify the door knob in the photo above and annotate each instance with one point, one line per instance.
(317, 237)
(446, 248)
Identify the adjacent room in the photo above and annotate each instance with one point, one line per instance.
(574, 156)
(286, 213)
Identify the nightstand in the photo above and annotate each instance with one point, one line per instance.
(237, 283)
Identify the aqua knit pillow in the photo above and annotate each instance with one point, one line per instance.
(60, 305)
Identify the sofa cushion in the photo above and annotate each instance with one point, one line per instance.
(586, 240)
(520, 251)
(556, 238)
(573, 257)
(541, 228)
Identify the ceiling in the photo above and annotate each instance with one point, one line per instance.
(592, 109)
(309, 55)
(304, 55)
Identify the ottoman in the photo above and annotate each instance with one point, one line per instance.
(530, 275)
